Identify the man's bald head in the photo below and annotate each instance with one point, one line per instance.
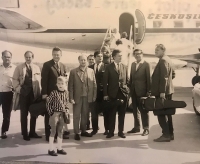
(82, 60)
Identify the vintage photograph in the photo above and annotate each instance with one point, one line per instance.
(100, 81)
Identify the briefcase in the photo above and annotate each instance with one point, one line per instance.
(38, 107)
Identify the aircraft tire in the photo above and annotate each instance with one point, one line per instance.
(195, 80)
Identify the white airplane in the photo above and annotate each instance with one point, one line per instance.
(83, 25)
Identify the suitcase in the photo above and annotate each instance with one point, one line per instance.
(38, 107)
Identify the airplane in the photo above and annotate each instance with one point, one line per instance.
(83, 25)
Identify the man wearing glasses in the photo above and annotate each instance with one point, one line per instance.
(140, 83)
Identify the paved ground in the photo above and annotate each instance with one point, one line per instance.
(136, 149)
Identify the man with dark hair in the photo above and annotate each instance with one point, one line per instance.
(90, 60)
(50, 72)
(115, 90)
(6, 94)
(162, 87)
(26, 82)
(140, 83)
(99, 69)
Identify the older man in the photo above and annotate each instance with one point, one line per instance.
(6, 94)
(82, 91)
(162, 86)
(50, 72)
(26, 81)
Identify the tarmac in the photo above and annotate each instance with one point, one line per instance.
(134, 148)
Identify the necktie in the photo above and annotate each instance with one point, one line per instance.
(118, 67)
(57, 67)
(97, 70)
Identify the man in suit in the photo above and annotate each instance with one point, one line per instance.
(99, 69)
(26, 81)
(162, 87)
(115, 90)
(50, 72)
(140, 83)
(6, 94)
(82, 91)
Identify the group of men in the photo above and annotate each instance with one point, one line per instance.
(101, 87)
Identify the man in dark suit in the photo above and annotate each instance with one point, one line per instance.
(115, 90)
(99, 69)
(50, 71)
(140, 83)
(162, 86)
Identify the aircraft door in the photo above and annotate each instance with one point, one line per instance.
(141, 27)
(125, 22)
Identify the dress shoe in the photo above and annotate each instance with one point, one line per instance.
(52, 153)
(34, 135)
(61, 152)
(3, 135)
(66, 133)
(93, 132)
(110, 135)
(65, 136)
(105, 133)
(77, 137)
(121, 134)
(26, 138)
(86, 134)
(162, 139)
(145, 132)
(134, 130)
(172, 137)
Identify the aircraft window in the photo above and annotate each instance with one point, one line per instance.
(178, 24)
(157, 24)
(198, 24)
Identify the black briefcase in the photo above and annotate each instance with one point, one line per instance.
(38, 107)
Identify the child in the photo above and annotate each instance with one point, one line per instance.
(57, 103)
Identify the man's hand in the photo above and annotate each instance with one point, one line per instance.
(106, 98)
(148, 94)
(44, 97)
(162, 95)
(72, 101)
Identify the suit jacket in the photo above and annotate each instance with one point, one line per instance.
(50, 75)
(99, 81)
(75, 85)
(112, 80)
(162, 77)
(140, 79)
(19, 77)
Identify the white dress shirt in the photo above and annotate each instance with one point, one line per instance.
(95, 67)
(6, 75)
(137, 64)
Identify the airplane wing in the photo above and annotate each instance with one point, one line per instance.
(14, 21)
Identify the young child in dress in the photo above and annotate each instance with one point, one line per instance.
(57, 103)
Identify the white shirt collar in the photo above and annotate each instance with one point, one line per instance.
(141, 62)
(10, 66)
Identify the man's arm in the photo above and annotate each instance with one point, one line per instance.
(45, 78)
(94, 86)
(105, 83)
(71, 87)
(16, 82)
(148, 76)
(163, 76)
